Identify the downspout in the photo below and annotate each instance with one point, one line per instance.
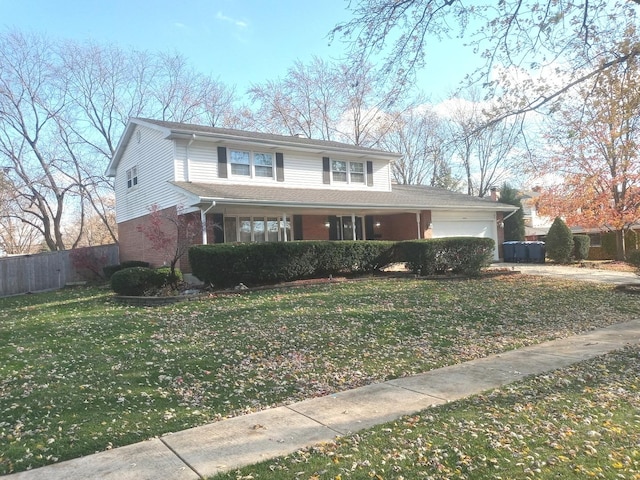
(203, 221)
(193, 137)
(504, 218)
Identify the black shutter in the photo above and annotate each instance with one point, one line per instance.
(326, 170)
(218, 228)
(368, 228)
(369, 173)
(333, 228)
(297, 227)
(279, 167)
(222, 162)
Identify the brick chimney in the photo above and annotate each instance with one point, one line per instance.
(495, 194)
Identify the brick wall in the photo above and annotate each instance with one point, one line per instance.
(134, 245)
(313, 227)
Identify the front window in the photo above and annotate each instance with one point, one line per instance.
(251, 164)
(132, 177)
(356, 172)
(240, 163)
(339, 171)
(256, 229)
(347, 172)
(263, 164)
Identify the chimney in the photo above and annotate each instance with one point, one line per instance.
(495, 194)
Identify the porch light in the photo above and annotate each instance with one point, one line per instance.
(377, 224)
(327, 224)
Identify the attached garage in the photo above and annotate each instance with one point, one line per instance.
(451, 223)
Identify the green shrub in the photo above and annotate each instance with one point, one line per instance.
(164, 274)
(135, 281)
(227, 265)
(559, 242)
(109, 270)
(633, 258)
(465, 255)
(581, 246)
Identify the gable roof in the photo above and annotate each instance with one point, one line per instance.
(402, 197)
(176, 130)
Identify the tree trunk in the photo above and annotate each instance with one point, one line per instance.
(620, 246)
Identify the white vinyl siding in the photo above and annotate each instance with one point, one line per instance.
(152, 157)
(301, 169)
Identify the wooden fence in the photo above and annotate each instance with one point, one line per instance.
(52, 270)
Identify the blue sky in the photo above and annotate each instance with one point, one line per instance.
(239, 41)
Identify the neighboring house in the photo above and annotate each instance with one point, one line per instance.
(536, 226)
(257, 187)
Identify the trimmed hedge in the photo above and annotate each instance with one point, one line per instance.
(109, 270)
(465, 255)
(227, 265)
(138, 281)
(135, 281)
(633, 258)
(581, 246)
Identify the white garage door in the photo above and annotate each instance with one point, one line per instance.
(464, 225)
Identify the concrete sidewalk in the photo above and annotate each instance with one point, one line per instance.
(567, 272)
(233, 443)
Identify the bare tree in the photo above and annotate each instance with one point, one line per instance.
(327, 100)
(487, 151)
(419, 135)
(63, 108)
(575, 41)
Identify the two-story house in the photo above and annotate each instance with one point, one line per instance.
(257, 187)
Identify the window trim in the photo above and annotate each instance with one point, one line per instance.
(260, 218)
(349, 180)
(252, 164)
(132, 177)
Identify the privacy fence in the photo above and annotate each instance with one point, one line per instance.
(53, 270)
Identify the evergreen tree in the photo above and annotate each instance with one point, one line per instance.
(514, 225)
(559, 242)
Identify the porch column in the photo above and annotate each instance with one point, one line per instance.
(284, 227)
(418, 225)
(203, 222)
(353, 227)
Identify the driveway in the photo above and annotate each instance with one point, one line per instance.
(573, 273)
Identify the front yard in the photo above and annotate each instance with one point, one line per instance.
(79, 373)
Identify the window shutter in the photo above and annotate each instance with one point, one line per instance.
(279, 167)
(218, 229)
(326, 170)
(222, 162)
(297, 227)
(333, 228)
(369, 173)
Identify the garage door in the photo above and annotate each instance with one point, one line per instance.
(451, 225)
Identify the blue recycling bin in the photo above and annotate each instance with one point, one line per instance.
(509, 251)
(521, 254)
(537, 252)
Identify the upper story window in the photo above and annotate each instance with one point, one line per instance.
(132, 177)
(251, 164)
(347, 172)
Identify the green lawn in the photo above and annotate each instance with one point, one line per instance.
(578, 422)
(79, 373)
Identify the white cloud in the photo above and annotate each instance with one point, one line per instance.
(233, 21)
